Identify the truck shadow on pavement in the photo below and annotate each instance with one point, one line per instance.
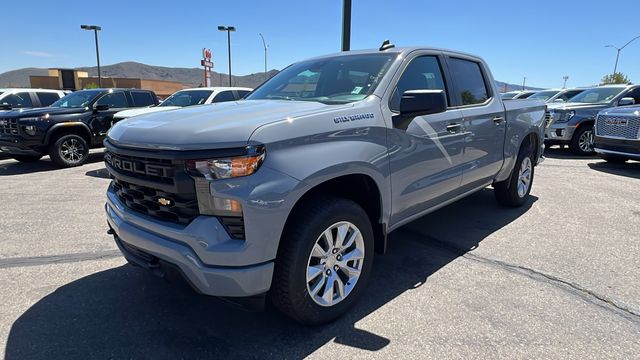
(629, 169)
(126, 313)
(560, 153)
(14, 167)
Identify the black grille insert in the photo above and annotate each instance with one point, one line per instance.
(177, 208)
(234, 226)
(9, 126)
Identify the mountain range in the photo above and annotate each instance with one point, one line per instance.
(189, 76)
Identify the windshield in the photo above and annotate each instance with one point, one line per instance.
(544, 95)
(77, 99)
(187, 98)
(508, 95)
(597, 95)
(335, 80)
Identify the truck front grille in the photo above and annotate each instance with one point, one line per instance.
(9, 126)
(166, 206)
(623, 127)
(548, 119)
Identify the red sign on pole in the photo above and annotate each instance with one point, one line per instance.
(207, 64)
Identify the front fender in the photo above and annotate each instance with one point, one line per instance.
(65, 125)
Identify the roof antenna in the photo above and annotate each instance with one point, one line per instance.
(386, 45)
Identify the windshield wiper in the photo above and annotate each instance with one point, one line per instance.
(278, 97)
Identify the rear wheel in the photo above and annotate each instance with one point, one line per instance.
(582, 141)
(614, 159)
(324, 261)
(514, 191)
(69, 150)
(27, 158)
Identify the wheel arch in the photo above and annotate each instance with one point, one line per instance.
(60, 129)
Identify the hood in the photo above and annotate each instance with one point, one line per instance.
(623, 110)
(220, 125)
(44, 111)
(141, 111)
(576, 106)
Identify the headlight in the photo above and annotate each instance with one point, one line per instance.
(44, 117)
(571, 114)
(566, 116)
(224, 168)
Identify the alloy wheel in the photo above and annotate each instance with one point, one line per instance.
(524, 177)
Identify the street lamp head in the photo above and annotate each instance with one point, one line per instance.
(222, 28)
(90, 27)
(231, 28)
(226, 28)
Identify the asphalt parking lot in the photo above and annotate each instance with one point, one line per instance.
(557, 278)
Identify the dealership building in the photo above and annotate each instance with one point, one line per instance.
(71, 79)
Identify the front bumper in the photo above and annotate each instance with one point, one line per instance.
(559, 133)
(141, 239)
(617, 147)
(17, 145)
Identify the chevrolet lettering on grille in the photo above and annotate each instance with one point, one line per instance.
(137, 167)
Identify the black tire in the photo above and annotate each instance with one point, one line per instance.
(614, 159)
(289, 292)
(576, 146)
(60, 154)
(27, 158)
(506, 192)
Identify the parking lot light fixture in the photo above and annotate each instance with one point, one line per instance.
(618, 49)
(228, 29)
(95, 29)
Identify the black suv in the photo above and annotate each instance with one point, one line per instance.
(69, 127)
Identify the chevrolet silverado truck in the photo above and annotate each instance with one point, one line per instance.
(617, 134)
(188, 97)
(68, 127)
(287, 194)
(572, 123)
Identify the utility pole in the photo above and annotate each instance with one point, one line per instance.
(565, 78)
(523, 82)
(228, 29)
(95, 29)
(346, 25)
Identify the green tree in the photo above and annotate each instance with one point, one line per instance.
(617, 78)
(91, 85)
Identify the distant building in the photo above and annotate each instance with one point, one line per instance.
(70, 79)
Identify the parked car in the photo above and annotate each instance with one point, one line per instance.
(617, 134)
(189, 97)
(572, 123)
(556, 95)
(509, 95)
(293, 189)
(28, 98)
(69, 127)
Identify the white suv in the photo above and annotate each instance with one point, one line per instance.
(28, 98)
(189, 97)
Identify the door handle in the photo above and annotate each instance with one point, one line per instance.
(498, 120)
(454, 128)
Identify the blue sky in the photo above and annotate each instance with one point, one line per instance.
(542, 40)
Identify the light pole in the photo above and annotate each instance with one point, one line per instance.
(618, 49)
(565, 78)
(346, 25)
(524, 80)
(95, 29)
(228, 29)
(264, 44)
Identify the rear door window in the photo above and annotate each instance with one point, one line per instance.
(224, 96)
(142, 98)
(470, 84)
(242, 93)
(47, 98)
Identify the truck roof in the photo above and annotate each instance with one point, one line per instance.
(393, 50)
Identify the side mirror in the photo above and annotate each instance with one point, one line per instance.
(101, 107)
(558, 101)
(418, 103)
(626, 101)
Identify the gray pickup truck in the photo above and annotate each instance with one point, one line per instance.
(290, 192)
(572, 123)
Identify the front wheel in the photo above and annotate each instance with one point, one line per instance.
(514, 191)
(69, 150)
(582, 141)
(324, 261)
